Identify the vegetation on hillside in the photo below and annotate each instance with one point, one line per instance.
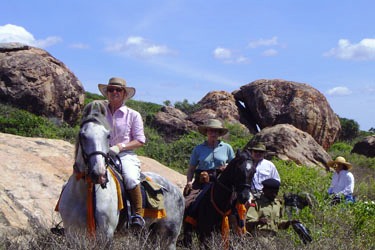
(349, 226)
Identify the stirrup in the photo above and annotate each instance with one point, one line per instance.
(137, 221)
(58, 230)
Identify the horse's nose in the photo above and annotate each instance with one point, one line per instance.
(98, 178)
(243, 197)
(102, 179)
(98, 175)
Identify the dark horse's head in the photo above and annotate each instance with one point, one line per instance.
(237, 177)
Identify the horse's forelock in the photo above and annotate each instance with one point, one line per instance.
(95, 111)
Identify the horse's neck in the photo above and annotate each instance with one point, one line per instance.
(222, 195)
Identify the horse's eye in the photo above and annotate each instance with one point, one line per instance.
(108, 137)
(82, 135)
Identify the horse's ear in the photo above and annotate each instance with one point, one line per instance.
(238, 152)
(243, 153)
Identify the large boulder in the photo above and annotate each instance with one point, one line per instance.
(32, 79)
(272, 102)
(216, 104)
(172, 123)
(291, 144)
(365, 147)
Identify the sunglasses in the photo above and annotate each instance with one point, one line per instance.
(111, 90)
(258, 151)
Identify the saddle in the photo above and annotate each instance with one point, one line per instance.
(152, 200)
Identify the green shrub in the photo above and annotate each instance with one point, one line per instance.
(340, 148)
(24, 123)
(89, 97)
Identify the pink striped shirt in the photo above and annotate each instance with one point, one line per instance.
(126, 125)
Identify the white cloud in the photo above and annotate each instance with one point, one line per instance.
(264, 42)
(13, 33)
(270, 52)
(339, 91)
(49, 41)
(139, 47)
(222, 53)
(228, 56)
(362, 51)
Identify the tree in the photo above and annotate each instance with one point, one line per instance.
(349, 129)
(186, 107)
(167, 103)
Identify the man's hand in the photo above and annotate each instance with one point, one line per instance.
(114, 150)
(189, 184)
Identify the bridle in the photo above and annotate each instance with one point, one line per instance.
(109, 161)
(237, 187)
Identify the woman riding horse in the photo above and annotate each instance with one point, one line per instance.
(210, 214)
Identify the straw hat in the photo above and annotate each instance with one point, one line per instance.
(339, 160)
(259, 147)
(212, 124)
(117, 82)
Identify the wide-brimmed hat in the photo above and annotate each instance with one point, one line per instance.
(117, 82)
(212, 124)
(339, 160)
(259, 147)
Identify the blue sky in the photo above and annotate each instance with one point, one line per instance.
(183, 49)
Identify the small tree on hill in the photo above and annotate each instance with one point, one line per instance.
(349, 129)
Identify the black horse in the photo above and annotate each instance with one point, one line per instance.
(218, 200)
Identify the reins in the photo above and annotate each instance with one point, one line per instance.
(238, 208)
(224, 214)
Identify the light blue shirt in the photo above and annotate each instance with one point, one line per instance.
(205, 158)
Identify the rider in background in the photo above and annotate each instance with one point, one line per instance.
(210, 156)
(342, 184)
(127, 134)
(206, 160)
(262, 168)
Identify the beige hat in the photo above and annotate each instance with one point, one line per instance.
(259, 147)
(339, 160)
(117, 82)
(212, 124)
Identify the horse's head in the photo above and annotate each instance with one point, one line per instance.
(93, 144)
(237, 176)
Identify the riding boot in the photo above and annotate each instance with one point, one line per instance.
(136, 201)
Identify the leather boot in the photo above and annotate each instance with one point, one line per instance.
(136, 201)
